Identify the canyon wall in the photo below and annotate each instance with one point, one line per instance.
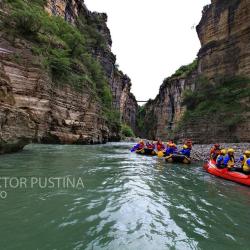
(161, 116)
(224, 33)
(123, 99)
(34, 108)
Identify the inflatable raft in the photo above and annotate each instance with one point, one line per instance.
(146, 151)
(178, 158)
(238, 177)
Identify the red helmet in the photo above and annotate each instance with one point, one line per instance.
(217, 145)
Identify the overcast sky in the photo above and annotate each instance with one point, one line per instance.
(151, 39)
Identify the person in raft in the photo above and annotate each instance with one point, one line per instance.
(159, 145)
(229, 160)
(189, 143)
(150, 145)
(215, 151)
(138, 146)
(171, 148)
(245, 162)
(141, 145)
(185, 151)
(220, 159)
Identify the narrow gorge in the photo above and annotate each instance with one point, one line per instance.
(59, 82)
(208, 100)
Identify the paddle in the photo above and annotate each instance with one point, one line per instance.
(168, 157)
(134, 148)
(160, 154)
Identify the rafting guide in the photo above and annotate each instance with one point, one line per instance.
(66, 182)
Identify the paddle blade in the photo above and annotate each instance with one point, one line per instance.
(160, 154)
(134, 148)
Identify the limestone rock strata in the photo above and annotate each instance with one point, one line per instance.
(123, 99)
(33, 109)
(165, 111)
(224, 33)
(120, 84)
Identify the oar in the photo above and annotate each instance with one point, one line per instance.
(168, 157)
(134, 148)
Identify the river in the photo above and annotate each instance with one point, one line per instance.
(126, 201)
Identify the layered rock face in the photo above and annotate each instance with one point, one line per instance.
(123, 99)
(224, 32)
(120, 84)
(163, 114)
(33, 108)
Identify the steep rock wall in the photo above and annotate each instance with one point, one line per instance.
(33, 108)
(47, 113)
(224, 32)
(120, 84)
(123, 99)
(163, 114)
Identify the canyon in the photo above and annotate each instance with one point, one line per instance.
(222, 66)
(35, 109)
(37, 106)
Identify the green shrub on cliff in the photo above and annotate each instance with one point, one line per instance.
(63, 47)
(225, 101)
(127, 131)
(185, 70)
(65, 50)
(90, 28)
(146, 120)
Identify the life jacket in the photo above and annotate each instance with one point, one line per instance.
(229, 161)
(159, 146)
(171, 150)
(246, 166)
(141, 145)
(219, 160)
(150, 146)
(243, 159)
(186, 152)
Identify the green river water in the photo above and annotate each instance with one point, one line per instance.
(127, 202)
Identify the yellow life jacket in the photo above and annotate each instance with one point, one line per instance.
(231, 162)
(244, 160)
(246, 167)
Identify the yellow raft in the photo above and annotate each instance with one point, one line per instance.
(178, 158)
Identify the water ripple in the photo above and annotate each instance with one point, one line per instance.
(129, 202)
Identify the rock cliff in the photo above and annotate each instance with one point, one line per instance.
(34, 106)
(208, 102)
(162, 115)
(224, 33)
(123, 99)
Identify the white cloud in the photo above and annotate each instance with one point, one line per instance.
(151, 39)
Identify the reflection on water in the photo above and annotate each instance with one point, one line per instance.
(128, 202)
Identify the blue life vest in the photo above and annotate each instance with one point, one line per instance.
(186, 152)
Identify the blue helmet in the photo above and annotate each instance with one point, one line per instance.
(248, 162)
